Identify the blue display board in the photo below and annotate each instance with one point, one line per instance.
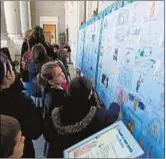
(89, 59)
(80, 48)
(130, 68)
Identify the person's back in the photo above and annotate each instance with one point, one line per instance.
(19, 106)
(39, 57)
(77, 119)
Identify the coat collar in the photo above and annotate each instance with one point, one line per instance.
(75, 128)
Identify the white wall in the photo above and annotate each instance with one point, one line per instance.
(72, 22)
(48, 8)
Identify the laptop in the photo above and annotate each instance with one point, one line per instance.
(115, 141)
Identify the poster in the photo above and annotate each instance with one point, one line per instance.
(89, 61)
(120, 144)
(131, 69)
(80, 48)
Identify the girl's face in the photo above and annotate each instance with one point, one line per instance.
(58, 76)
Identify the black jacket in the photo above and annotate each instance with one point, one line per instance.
(23, 109)
(53, 98)
(62, 133)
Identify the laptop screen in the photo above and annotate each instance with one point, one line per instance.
(115, 141)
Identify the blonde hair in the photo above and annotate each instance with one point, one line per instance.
(27, 33)
(46, 73)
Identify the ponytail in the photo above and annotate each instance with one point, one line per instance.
(42, 81)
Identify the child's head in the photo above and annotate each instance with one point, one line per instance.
(39, 53)
(12, 141)
(51, 75)
(7, 76)
(80, 89)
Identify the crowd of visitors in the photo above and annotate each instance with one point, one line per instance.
(42, 99)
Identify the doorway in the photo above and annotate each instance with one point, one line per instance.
(50, 33)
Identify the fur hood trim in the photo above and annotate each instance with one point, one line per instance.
(71, 129)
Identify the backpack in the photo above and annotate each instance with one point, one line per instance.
(35, 86)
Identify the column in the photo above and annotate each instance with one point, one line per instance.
(12, 16)
(24, 14)
(4, 37)
(13, 24)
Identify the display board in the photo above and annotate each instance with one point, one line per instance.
(130, 68)
(121, 144)
(81, 36)
(91, 44)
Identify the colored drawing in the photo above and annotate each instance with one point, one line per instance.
(158, 75)
(105, 80)
(120, 35)
(115, 56)
(139, 81)
(123, 17)
(93, 38)
(155, 128)
(125, 78)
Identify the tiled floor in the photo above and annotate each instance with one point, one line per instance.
(39, 144)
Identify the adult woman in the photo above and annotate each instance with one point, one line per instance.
(77, 118)
(19, 106)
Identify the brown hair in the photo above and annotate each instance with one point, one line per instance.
(46, 73)
(39, 53)
(10, 128)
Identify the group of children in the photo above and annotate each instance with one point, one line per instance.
(69, 110)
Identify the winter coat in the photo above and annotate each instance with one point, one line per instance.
(53, 97)
(17, 86)
(61, 133)
(23, 109)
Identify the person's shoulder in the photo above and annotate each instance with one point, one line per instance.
(56, 91)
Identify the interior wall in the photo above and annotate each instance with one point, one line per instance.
(48, 8)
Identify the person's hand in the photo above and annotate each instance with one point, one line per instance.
(118, 101)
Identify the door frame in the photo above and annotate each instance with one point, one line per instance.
(50, 20)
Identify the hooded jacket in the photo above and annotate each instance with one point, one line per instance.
(64, 130)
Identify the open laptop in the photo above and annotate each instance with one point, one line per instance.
(115, 141)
